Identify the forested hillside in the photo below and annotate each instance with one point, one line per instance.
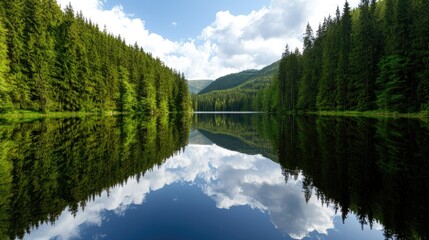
(60, 61)
(375, 57)
(238, 98)
(229, 81)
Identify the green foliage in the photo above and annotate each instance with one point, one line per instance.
(229, 81)
(391, 96)
(4, 69)
(60, 61)
(374, 57)
(289, 75)
(239, 98)
(49, 165)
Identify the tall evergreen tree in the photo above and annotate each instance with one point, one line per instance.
(40, 52)
(282, 78)
(326, 97)
(420, 50)
(4, 67)
(20, 91)
(343, 75)
(67, 60)
(364, 64)
(307, 90)
(60, 61)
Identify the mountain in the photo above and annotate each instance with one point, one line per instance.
(229, 81)
(195, 86)
(240, 97)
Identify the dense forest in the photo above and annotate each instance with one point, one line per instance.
(375, 57)
(238, 95)
(50, 165)
(52, 60)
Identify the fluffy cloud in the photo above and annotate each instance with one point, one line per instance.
(229, 178)
(230, 44)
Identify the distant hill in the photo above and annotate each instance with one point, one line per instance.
(239, 97)
(229, 81)
(195, 86)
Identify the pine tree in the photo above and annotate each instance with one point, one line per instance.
(363, 61)
(40, 52)
(343, 76)
(419, 52)
(326, 97)
(20, 91)
(307, 90)
(282, 78)
(67, 82)
(4, 69)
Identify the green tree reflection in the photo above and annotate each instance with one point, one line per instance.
(51, 164)
(377, 169)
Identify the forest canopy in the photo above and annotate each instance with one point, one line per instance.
(53, 60)
(375, 57)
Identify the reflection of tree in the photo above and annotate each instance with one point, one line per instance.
(377, 169)
(236, 132)
(50, 164)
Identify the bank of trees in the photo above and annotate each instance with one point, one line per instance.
(50, 165)
(375, 57)
(52, 60)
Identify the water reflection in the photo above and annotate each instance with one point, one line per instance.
(229, 178)
(52, 164)
(307, 177)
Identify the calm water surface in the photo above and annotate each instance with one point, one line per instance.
(214, 176)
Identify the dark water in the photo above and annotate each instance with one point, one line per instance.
(214, 177)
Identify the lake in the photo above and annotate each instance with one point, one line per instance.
(214, 176)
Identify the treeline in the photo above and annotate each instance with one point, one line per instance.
(52, 60)
(240, 97)
(375, 57)
(235, 132)
(51, 165)
(224, 100)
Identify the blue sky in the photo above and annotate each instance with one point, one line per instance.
(207, 39)
(183, 19)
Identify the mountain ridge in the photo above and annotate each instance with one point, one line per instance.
(229, 81)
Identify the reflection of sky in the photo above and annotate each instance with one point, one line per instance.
(229, 178)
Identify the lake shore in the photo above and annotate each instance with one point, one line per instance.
(372, 114)
(35, 115)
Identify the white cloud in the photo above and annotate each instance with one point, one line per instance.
(230, 44)
(229, 178)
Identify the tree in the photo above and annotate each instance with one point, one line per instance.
(282, 78)
(14, 23)
(4, 69)
(364, 61)
(307, 89)
(326, 97)
(343, 75)
(40, 53)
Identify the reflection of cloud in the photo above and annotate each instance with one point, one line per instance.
(230, 178)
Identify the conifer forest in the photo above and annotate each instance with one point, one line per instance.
(58, 61)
